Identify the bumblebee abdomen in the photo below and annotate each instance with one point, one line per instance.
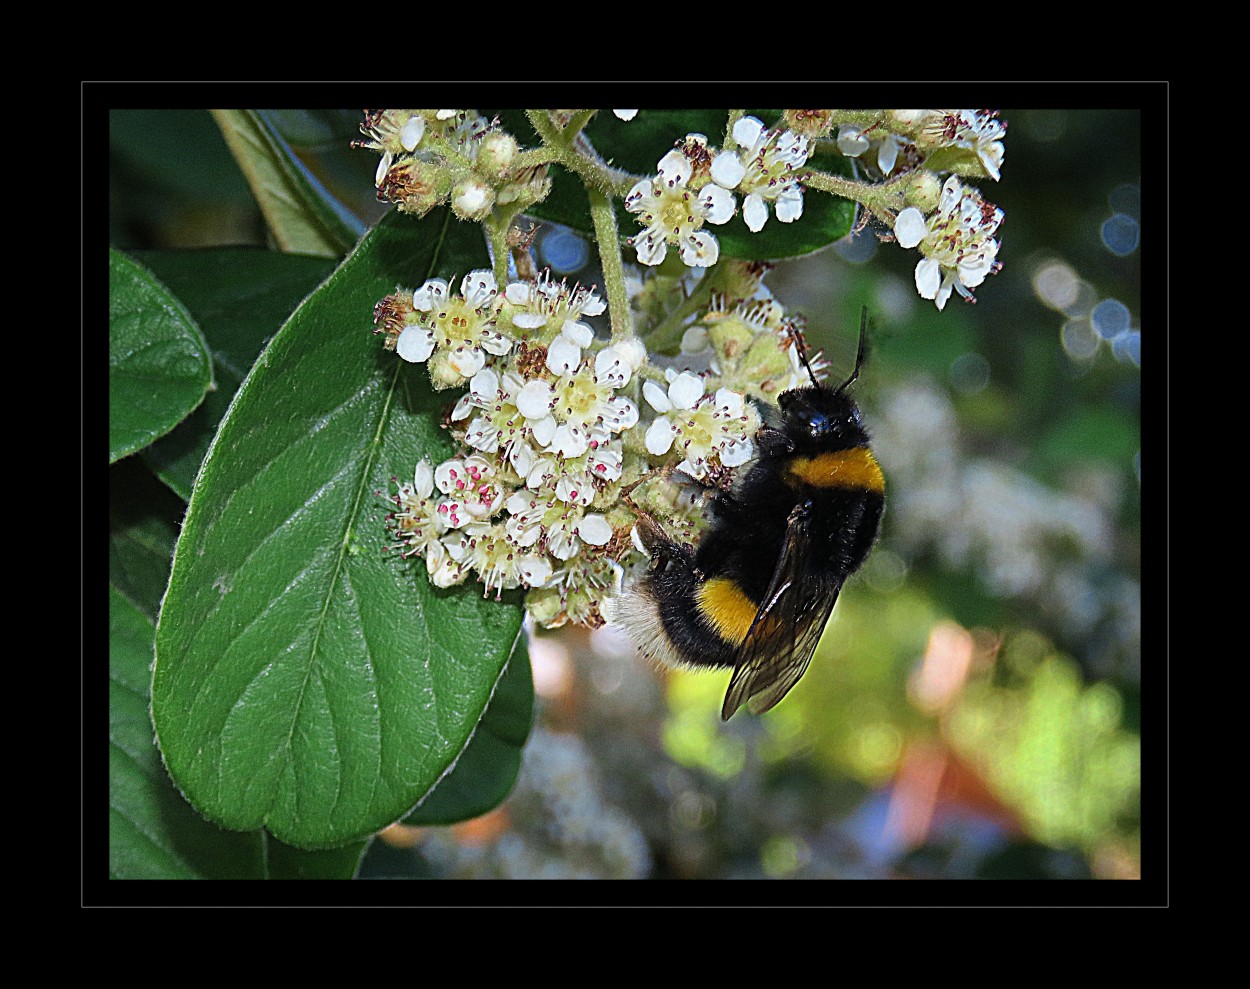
(704, 622)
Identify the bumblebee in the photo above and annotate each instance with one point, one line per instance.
(756, 591)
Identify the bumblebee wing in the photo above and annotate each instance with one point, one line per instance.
(782, 639)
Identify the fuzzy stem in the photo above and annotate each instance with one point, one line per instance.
(609, 241)
(883, 201)
(497, 232)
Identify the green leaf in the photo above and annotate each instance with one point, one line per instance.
(153, 832)
(485, 774)
(306, 680)
(285, 862)
(159, 368)
(178, 152)
(143, 526)
(239, 297)
(301, 215)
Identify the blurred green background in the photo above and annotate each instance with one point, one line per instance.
(974, 709)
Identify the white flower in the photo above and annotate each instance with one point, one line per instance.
(585, 399)
(983, 132)
(493, 555)
(473, 482)
(761, 169)
(701, 426)
(392, 132)
(424, 526)
(626, 114)
(979, 132)
(853, 142)
(547, 310)
(500, 423)
(672, 213)
(417, 522)
(460, 328)
(562, 527)
(957, 242)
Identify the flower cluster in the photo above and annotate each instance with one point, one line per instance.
(693, 187)
(556, 426)
(562, 436)
(957, 242)
(906, 151)
(430, 157)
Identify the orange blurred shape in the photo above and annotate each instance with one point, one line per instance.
(947, 660)
(401, 836)
(482, 830)
(931, 782)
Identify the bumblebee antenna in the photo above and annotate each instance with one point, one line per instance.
(800, 348)
(859, 357)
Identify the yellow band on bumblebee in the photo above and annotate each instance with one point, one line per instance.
(726, 608)
(856, 468)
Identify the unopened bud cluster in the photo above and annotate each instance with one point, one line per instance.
(458, 157)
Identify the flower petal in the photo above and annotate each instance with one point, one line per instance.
(928, 278)
(754, 212)
(411, 133)
(466, 361)
(747, 130)
(495, 343)
(700, 250)
(789, 204)
(686, 390)
(415, 344)
(659, 438)
(423, 480)
(534, 401)
(594, 529)
(656, 397)
(563, 356)
(535, 570)
(727, 169)
(674, 168)
(910, 229)
(569, 441)
(429, 295)
(651, 250)
(735, 453)
(478, 287)
(543, 430)
(580, 333)
(719, 203)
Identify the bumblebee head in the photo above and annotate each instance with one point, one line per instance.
(819, 416)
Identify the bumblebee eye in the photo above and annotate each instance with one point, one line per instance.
(818, 425)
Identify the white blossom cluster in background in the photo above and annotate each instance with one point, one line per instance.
(562, 825)
(1022, 538)
(552, 422)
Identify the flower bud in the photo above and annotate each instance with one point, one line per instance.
(472, 199)
(494, 159)
(923, 191)
(415, 186)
